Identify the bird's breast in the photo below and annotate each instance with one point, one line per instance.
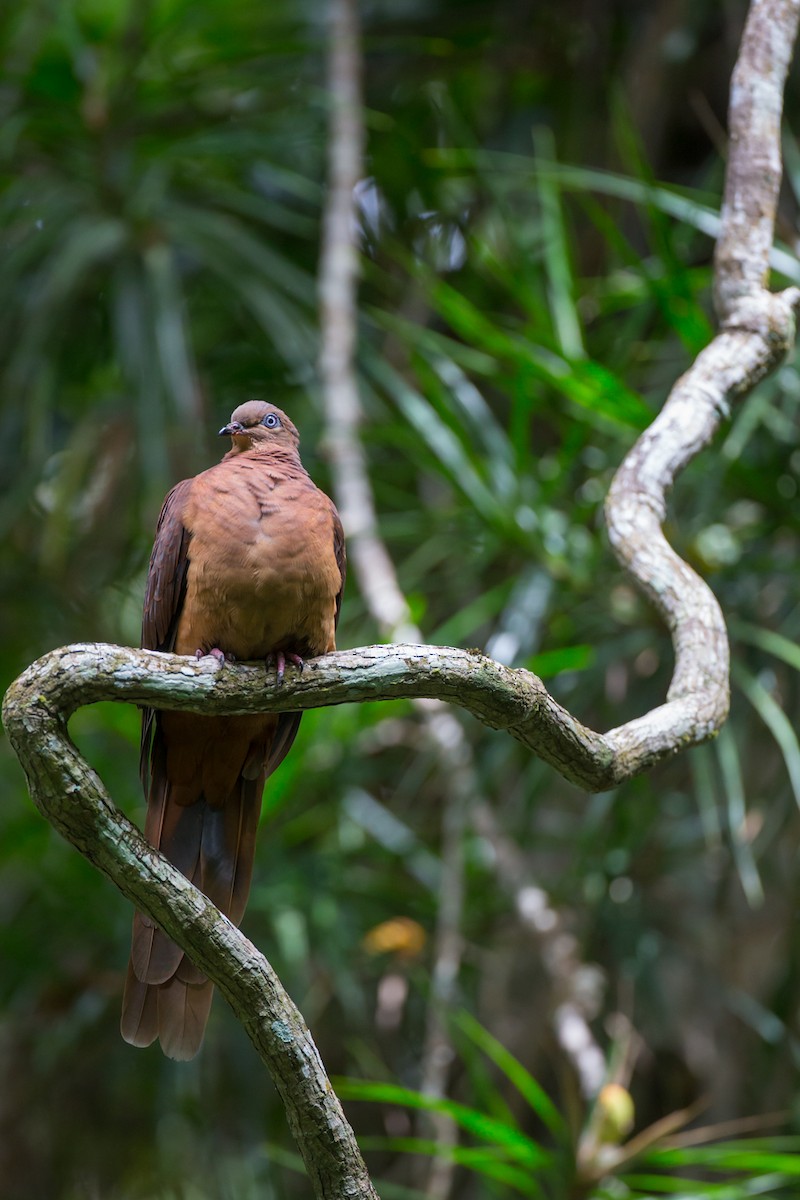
(262, 572)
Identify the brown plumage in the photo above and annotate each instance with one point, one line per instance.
(248, 562)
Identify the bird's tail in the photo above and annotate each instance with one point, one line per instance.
(166, 995)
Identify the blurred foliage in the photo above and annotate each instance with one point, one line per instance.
(529, 297)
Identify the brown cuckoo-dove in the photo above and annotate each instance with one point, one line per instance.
(248, 563)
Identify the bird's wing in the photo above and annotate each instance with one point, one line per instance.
(341, 558)
(163, 597)
(166, 576)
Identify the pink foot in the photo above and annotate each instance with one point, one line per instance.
(280, 658)
(216, 653)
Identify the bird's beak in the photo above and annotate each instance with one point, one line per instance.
(229, 430)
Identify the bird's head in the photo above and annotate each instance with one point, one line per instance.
(257, 425)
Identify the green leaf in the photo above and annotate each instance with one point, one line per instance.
(568, 658)
(731, 772)
(767, 639)
(520, 1148)
(169, 326)
(460, 627)
(482, 1161)
(690, 207)
(586, 383)
(514, 1071)
(561, 285)
(703, 776)
(776, 721)
(441, 441)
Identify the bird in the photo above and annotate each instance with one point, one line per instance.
(248, 563)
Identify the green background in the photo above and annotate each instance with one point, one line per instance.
(528, 298)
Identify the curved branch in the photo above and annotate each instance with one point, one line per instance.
(757, 331)
(69, 793)
(753, 176)
(513, 700)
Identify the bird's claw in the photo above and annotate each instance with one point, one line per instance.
(216, 653)
(279, 659)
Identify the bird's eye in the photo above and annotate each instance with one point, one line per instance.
(271, 421)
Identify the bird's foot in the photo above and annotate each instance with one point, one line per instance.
(279, 659)
(216, 653)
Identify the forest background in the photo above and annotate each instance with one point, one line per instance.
(529, 295)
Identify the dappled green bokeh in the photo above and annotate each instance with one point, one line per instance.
(528, 298)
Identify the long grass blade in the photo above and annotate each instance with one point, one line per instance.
(775, 720)
(514, 1071)
(731, 773)
(561, 286)
(518, 1146)
(768, 639)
